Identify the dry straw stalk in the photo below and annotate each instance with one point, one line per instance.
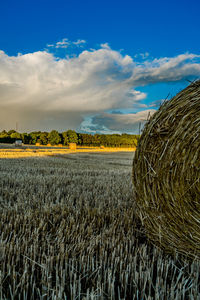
(166, 174)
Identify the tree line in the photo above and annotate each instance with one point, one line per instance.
(70, 136)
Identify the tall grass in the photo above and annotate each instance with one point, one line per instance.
(68, 231)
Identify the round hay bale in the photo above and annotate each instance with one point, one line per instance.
(166, 174)
(72, 146)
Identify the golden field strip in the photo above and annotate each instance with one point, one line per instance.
(11, 151)
(68, 231)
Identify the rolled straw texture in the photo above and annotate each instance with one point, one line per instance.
(166, 174)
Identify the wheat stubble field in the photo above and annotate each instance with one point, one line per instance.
(68, 231)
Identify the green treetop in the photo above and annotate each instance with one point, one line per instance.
(54, 137)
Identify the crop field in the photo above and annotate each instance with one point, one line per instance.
(68, 231)
(10, 151)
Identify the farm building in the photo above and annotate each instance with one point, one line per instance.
(18, 143)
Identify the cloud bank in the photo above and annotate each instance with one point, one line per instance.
(118, 123)
(42, 91)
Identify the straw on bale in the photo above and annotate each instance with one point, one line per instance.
(166, 174)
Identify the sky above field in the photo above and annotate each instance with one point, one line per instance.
(93, 66)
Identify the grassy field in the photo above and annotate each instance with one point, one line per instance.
(68, 231)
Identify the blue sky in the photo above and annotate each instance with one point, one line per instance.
(95, 66)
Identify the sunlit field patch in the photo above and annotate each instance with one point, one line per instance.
(10, 151)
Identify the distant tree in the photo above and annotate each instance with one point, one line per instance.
(54, 137)
(25, 138)
(61, 138)
(15, 135)
(114, 140)
(87, 139)
(79, 139)
(72, 136)
(5, 138)
(4, 132)
(103, 140)
(65, 138)
(34, 137)
(43, 140)
(96, 140)
(134, 139)
(11, 131)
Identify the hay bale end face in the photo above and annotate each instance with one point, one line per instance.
(166, 174)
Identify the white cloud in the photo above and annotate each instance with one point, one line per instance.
(105, 46)
(66, 43)
(79, 43)
(43, 92)
(157, 103)
(63, 44)
(166, 69)
(142, 55)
